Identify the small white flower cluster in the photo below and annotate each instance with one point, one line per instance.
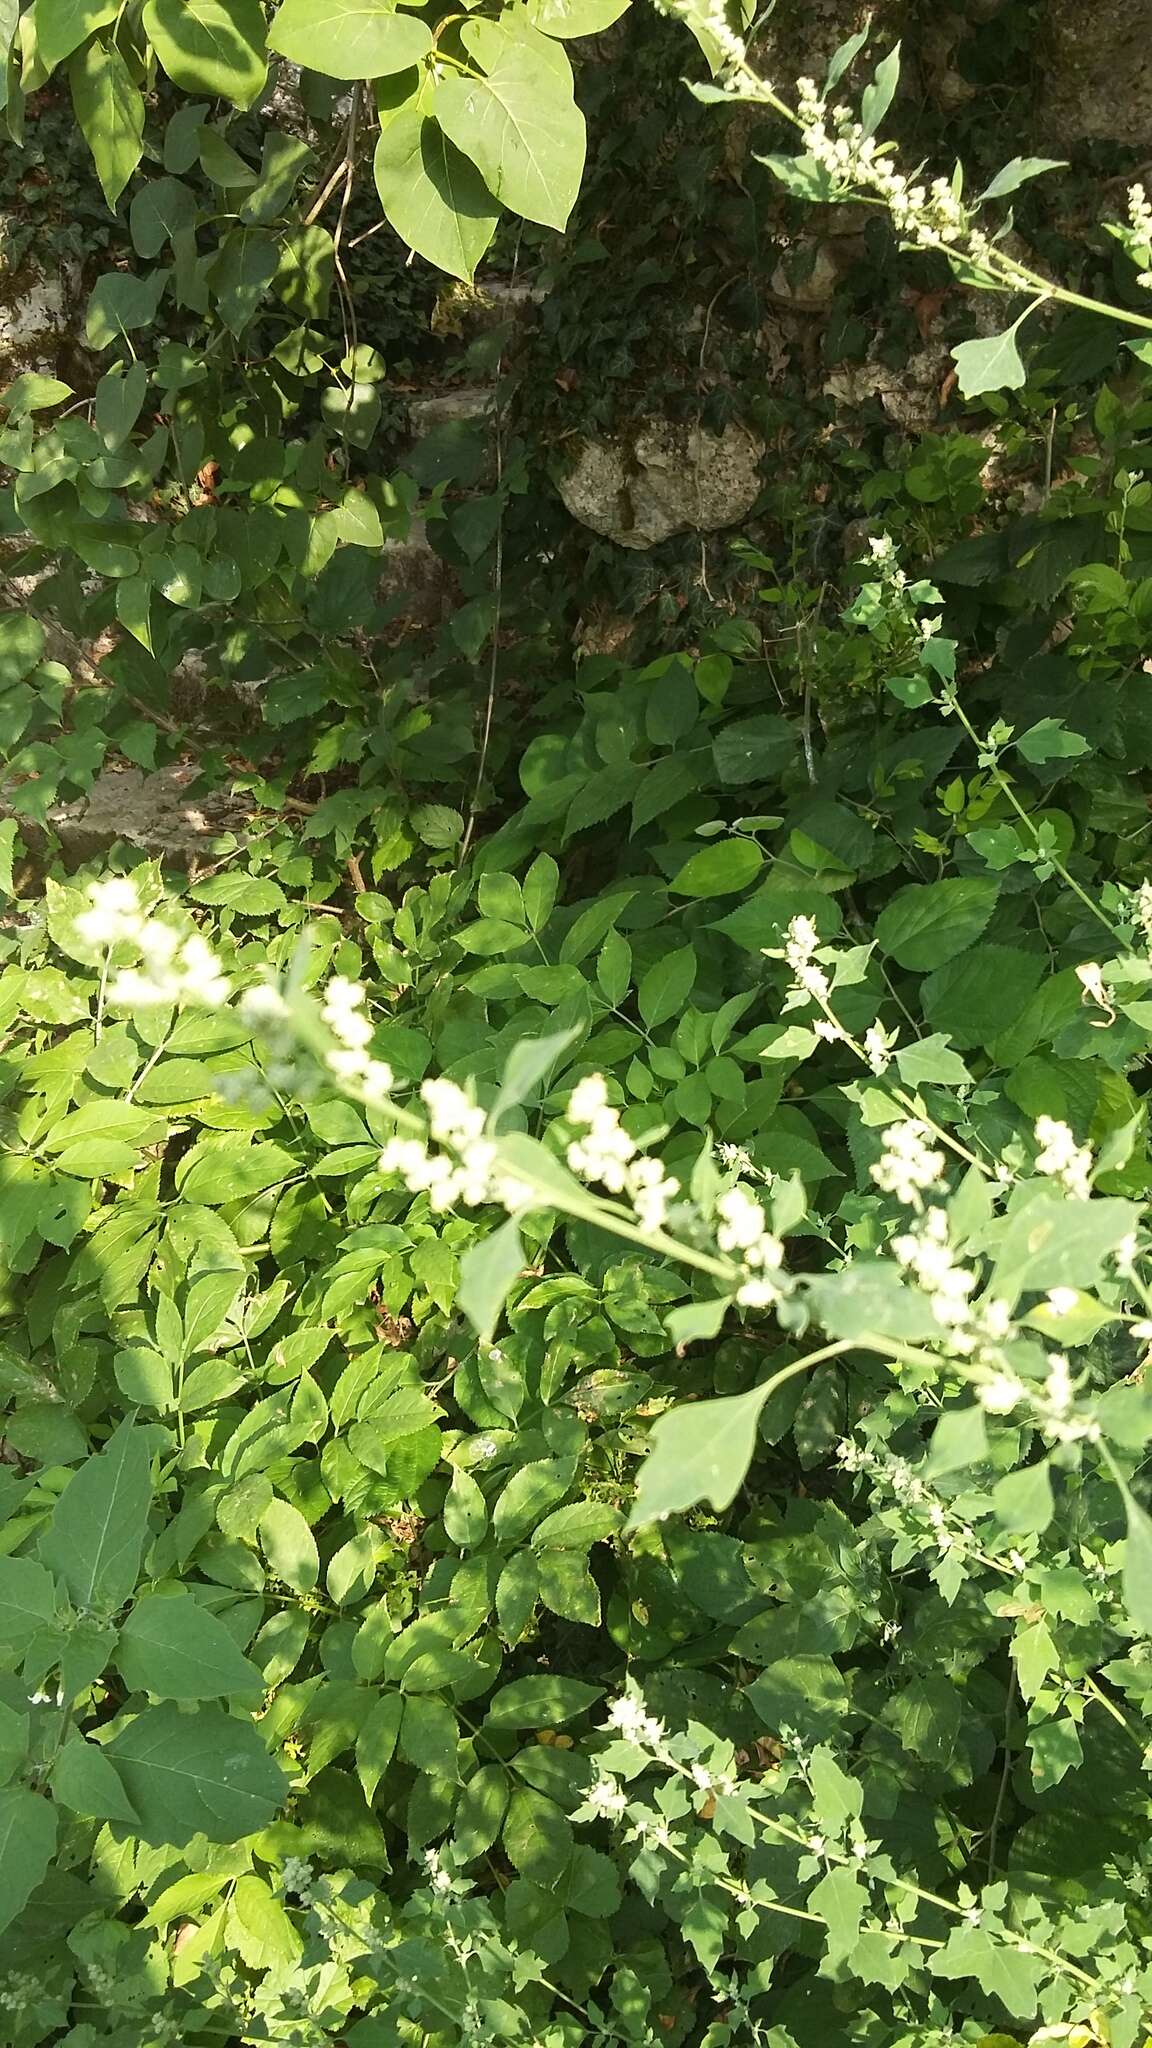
(18, 1992)
(606, 1798)
(629, 1718)
(928, 216)
(1056, 1410)
(707, 18)
(175, 970)
(908, 1167)
(742, 1229)
(1090, 975)
(441, 1880)
(926, 1253)
(606, 1153)
(885, 561)
(800, 948)
(1142, 906)
(1062, 1159)
(878, 1048)
(342, 1010)
(1140, 227)
(465, 1172)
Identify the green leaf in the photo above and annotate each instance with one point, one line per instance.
(487, 1271)
(290, 1546)
(840, 1899)
(84, 1780)
(432, 195)
(1058, 1241)
(519, 123)
(719, 870)
(110, 109)
(204, 1773)
(480, 1814)
(349, 38)
(541, 1701)
(1022, 1501)
(62, 25)
(928, 923)
(528, 1495)
(96, 1535)
(175, 1648)
(27, 1846)
(210, 46)
(877, 97)
(700, 1451)
(465, 1514)
(120, 304)
(1050, 740)
(982, 992)
(27, 1602)
(931, 1060)
(119, 397)
(1137, 1565)
(376, 1742)
(30, 393)
(666, 986)
(991, 364)
(562, 18)
(1016, 173)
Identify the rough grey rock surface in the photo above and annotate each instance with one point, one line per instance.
(1096, 69)
(153, 812)
(664, 479)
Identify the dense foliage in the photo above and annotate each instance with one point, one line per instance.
(575, 1286)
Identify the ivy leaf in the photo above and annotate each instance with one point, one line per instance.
(174, 1647)
(519, 124)
(432, 195)
(27, 1845)
(210, 46)
(700, 1451)
(110, 109)
(96, 1534)
(349, 38)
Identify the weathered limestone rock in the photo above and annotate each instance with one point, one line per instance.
(1096, 72)
(665, 479)
(41, 314)
(152, 812)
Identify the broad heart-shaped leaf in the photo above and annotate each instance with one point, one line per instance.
(110, 109)
(175, 1648)
(519, 124)
(564, 18)
(27, 1843)
(62, 25)
(96, 1534)
(210, 46)
(349, 38)
(1057, 1240)
(700, 1451)
(203, 1773)
(991, 364)
(928, 923)
(432, 195)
